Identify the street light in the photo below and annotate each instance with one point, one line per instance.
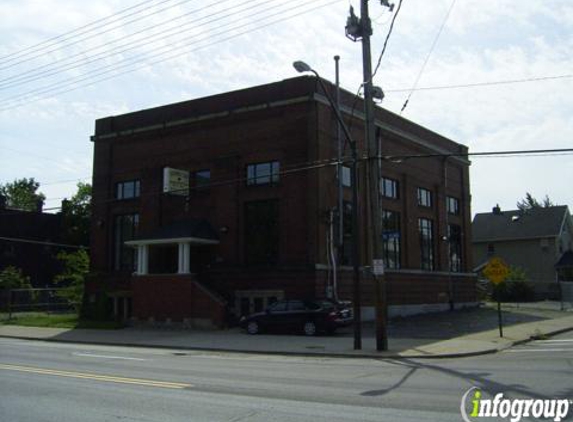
(302, 67)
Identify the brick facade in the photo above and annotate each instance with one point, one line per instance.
(291, 123)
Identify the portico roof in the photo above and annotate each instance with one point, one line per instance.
(194, 231)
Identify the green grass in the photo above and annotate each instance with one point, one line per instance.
(40, 319)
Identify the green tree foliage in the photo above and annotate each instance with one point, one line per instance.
(529, 202)
(515, 288)
(76, 215)
(22, 194)
(76, 267)
(12, 278)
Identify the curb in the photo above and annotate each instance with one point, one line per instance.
(374, 355)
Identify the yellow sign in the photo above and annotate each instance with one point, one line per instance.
(496, 270)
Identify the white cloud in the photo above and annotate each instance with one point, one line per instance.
(483, 40)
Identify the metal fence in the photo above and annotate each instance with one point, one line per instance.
(35, 300)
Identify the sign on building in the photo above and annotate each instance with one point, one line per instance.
(175, 181)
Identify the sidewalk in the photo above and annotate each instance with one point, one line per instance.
(457, 334)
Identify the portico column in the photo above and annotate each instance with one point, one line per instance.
(142, 259)
(184, 264)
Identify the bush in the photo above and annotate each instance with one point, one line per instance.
(515, 288)
(12, 278)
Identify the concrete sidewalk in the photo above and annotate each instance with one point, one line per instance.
(457, 334)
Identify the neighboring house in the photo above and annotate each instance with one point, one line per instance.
(29, 241)
(228, 203)
(535, 240)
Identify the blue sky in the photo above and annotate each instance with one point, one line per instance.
(216, 46)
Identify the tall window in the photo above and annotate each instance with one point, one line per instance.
(389, 188)
(453, 205)
(263, 173)
(391, 239)
(125, 228)
(426, 230)
(128, 189)
(262, 232)
(346, 177)
(455, 247)
(424, 197)
(202, 179)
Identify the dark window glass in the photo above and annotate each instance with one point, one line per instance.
(389, 188)
(263, 173)
(455, 247)
(346, 177)
(425, 228)
(391, 239)
(424, 197)
(262, 232)
(128, 189)
(490, 249)
(278, 307)
(296, 305)
(453, 205)
(202, 179)
(125, 228)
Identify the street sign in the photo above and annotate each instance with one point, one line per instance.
(378, 266)
(496, 270)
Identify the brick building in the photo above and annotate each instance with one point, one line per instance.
(224, 203)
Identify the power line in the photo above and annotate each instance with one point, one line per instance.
(386, 40)
(480, 84)
(52, 68)
(432, 47)
(54, 89)
(39, 242)
(42, 53)
(332, 162)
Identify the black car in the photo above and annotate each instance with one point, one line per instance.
(309, 317)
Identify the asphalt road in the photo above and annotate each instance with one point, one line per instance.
(43, 381)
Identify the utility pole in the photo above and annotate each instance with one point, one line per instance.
(361, 29)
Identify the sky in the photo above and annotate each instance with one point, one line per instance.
(66, 63)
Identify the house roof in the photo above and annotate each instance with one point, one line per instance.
(517, 224)
(191, 230)
(566, 260)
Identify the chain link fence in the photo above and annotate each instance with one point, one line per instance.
(50, 300)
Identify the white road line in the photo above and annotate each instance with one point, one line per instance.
(537, 350)
(555, 341)
(90, 355)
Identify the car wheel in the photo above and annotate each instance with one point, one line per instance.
(253, 327)
(309, 328)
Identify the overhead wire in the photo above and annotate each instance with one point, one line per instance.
(75, 42)
(52, 68)
(294, 168)
(432, 47)
(63, 35)
(60, 88)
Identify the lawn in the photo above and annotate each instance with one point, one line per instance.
(54, 320)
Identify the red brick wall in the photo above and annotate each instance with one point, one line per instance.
(174, 296)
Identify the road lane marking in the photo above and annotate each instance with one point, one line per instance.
(537, 350)
(95, 377)
(91, 355)
(554, 341)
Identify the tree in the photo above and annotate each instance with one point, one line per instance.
(76, 215)
(12, 278)
(22, 194)
(76, 267)
(529, 202)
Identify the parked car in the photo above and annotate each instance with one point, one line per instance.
(309, 317)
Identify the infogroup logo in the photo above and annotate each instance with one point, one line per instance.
(512, 409)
